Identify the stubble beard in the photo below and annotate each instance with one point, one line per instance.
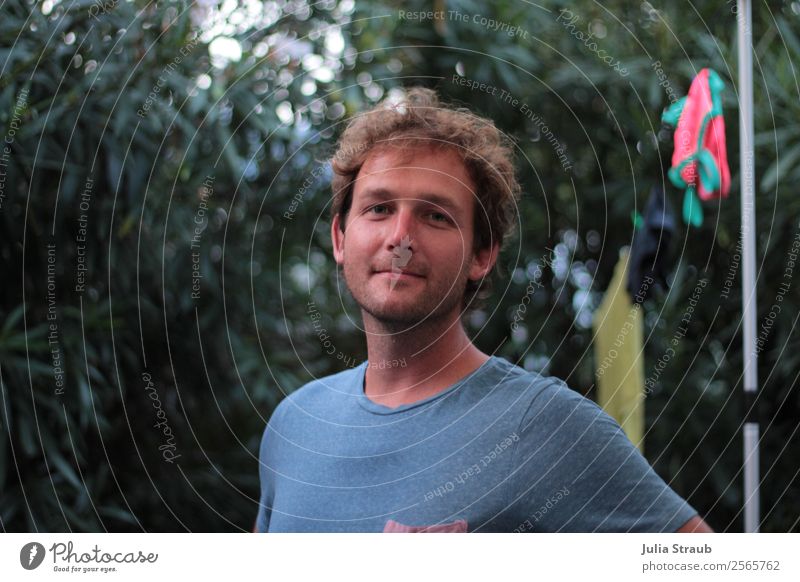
(434, 305)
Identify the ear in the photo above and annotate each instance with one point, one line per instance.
(483, 261)
(337, 237)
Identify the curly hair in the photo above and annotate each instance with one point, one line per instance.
(486, 153)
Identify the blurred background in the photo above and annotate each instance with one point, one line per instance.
(164, 220)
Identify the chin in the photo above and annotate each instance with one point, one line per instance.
(408, 311)
(395, 311)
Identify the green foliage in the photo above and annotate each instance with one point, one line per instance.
(127, 115)
(187, 166)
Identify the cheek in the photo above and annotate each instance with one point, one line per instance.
(358, 247)
(455, 248)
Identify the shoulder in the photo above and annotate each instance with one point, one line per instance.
(295, 414)
(557, 397)
(538, 394)
(551, 413)
(317, 395)
(511, 380)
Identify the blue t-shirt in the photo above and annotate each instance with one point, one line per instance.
(502, 450)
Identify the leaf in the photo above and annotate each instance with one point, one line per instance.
(64, 469)
(119, 514)
(785, 161)
(12, 319)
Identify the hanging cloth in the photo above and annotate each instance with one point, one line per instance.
(700, 159)
(619, 355)
(649, 255)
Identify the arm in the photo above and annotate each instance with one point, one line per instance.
(695, 525)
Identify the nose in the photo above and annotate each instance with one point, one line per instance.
(402, 229)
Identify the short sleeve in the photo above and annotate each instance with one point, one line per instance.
(266, 472)
(574, 470)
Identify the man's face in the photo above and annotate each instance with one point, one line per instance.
(407, 246)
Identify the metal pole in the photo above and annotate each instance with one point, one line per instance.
(744, 20)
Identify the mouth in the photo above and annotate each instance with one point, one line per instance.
(400, 274)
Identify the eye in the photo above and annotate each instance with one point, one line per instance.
(439, 217)
(377, 207)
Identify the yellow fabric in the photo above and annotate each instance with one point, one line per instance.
(619, 355)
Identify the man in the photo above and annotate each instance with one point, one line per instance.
(430, 433)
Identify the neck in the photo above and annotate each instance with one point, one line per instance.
(408, 365)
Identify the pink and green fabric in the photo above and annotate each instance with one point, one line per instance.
(700, 160)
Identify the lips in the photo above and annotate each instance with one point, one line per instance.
(399, 272)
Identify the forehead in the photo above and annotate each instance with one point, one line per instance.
(414, 167)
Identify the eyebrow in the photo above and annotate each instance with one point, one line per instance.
(383, 194)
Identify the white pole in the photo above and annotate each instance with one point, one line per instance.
(744, 20)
